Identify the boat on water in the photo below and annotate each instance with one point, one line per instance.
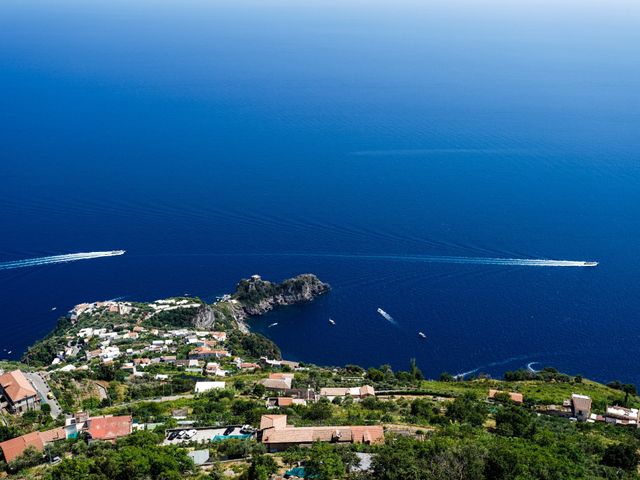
(589, 264)
(54, 308)
(114, 253)
(273, 325)
(422, 335)
(332, 322)
(385, 314)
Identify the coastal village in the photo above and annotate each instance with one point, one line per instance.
(195, 376)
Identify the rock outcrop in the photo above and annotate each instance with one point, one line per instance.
(257, 296)
(204, 318)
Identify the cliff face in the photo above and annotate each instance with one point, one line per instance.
(257, 296)
(205, 318)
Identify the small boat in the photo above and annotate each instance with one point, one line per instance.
(332, 322)
(9, 352)
(54, 308)
(273, 325)
(422, 335)
(589, 264)
(385, 314)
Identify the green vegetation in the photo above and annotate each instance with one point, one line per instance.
(136, 457)
(435, 429)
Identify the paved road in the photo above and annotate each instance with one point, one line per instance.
(43, 389)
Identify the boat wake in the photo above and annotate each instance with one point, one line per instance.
(514, 262)
(530, 367)
(462, 375)
(53, 259)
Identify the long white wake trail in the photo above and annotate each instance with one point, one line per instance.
(524, 262)
(70, 257)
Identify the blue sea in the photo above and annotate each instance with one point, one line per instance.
(213, 140)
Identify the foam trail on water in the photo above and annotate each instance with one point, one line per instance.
(53, 259)
(517, 262)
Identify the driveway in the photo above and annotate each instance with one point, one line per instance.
(43, 390)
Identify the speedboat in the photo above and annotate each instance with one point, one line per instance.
(589, 264)
(422, 335)
(332, 322)
(273, 325)
(385, 314)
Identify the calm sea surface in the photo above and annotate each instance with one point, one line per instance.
(217, 139)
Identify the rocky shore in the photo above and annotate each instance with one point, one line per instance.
(257, 296)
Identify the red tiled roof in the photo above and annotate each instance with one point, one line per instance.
(109, 428)
(275, 430)
(273, 421)
(16, 446)
(16, 386)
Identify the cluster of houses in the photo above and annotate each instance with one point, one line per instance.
(104, 428)
(578, 408)
(282, 394)
(137, 347)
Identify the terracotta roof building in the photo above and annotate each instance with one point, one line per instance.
(354, 392)
(276, 435)
(15, 447)
(18, 395)
(109, 428)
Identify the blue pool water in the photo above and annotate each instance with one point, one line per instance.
(215, 140)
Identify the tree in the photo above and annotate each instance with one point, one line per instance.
(324, 463)
(512, 421)
(321, 410)
(415, 372)
(261, 467)
(446, 377)
(375, 375)
(467, 409)
(621, 455)
(259, 390)
(628, 388)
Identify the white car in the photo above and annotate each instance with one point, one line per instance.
(190, 433)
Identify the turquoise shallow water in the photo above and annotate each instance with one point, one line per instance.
(214, 140)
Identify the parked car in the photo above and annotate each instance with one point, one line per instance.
(229, 430)
(246, 429)
(190, 433)
(172, 435)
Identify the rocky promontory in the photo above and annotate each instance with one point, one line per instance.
(258, 296)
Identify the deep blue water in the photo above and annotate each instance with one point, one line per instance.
(212, 140)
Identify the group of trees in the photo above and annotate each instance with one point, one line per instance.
(385, 375)
(136, 457)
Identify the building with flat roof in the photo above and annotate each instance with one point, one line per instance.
(581, 407)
